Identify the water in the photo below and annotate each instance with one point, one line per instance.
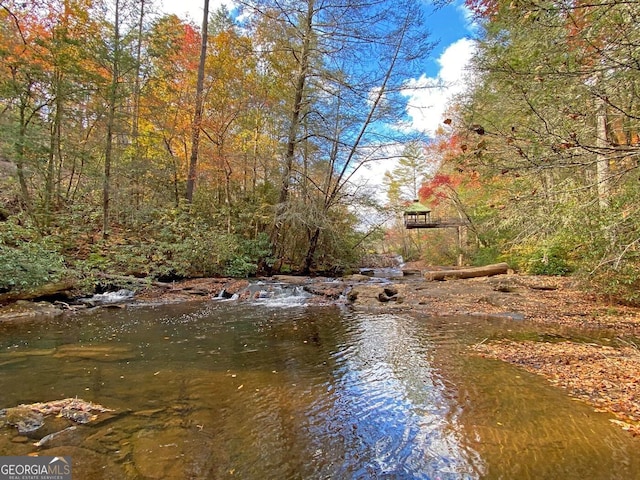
(285, 391)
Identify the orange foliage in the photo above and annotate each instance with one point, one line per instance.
(437, 189)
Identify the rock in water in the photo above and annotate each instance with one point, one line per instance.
(28, 418)
(23, 418)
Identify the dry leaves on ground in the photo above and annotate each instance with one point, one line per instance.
(603, 376)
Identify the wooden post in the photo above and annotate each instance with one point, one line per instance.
(459, 229)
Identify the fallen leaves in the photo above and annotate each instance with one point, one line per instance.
(604, 377)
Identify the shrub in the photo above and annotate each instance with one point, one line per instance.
(486, 256)
(619, 283)
(27, 260)
(548, 262)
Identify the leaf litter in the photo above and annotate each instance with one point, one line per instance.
(602, 376)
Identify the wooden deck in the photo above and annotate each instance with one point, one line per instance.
(436, 223)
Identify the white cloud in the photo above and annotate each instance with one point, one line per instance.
(428, 97)
(192, 9)
(470, 20)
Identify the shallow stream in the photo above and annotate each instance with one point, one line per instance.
(277, 391)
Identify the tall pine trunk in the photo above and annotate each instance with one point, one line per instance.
(197, 116)
(111, 120)
(314, 237)
(20, 158)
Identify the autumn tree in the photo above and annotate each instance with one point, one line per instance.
(48, 72)
(173, 52)
(21, 102)
(232, 92)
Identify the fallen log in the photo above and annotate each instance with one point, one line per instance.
(454, 274)
(61, 289)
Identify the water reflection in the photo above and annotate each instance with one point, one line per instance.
(389, 407)
(225, 391)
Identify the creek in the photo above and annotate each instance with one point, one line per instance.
(277, 389)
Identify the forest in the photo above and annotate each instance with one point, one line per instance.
(136, 143)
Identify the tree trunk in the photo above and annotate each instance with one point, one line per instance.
(197, 116)
(174, 172)
(486, 271)
(603, 175)
(459, 245)
(135, 123)
(111, 119)
(20, 159)
(254, 173)
(294, 126)
(311, 251)
(55, 152)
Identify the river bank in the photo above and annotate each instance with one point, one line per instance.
(603, 374)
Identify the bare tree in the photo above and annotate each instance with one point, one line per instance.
(347, 63)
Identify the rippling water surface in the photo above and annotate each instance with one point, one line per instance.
(222, 390)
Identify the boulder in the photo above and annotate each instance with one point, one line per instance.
(332, 290)
(291, 279)
(236, 287)
(375, 295)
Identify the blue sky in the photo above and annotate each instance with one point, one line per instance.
(444, 72)
(448, 24)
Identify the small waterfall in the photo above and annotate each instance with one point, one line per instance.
(277, 294)
(118, 296)
(224, 295)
